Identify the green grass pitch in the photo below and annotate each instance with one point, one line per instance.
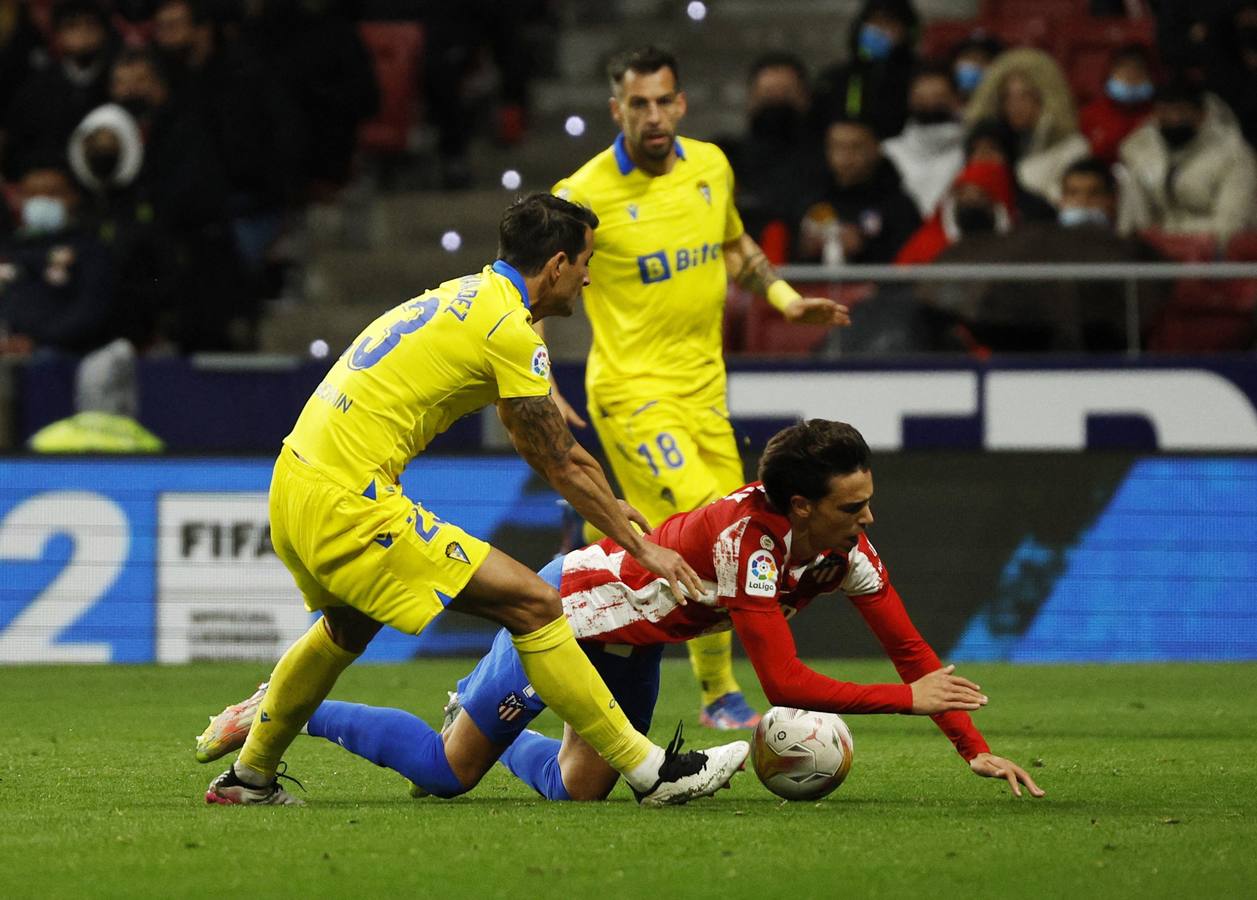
(1149, 770)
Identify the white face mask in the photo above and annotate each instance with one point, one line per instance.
(1073, 216)
(43, 215)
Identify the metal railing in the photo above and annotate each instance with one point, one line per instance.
(1129, 274)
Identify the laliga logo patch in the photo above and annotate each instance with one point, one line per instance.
(705, 189)
(541, 363)
(761, 574)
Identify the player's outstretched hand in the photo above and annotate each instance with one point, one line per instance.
(816, 311)
(669, 564)
(570, 415)
(988, 765)
(941, 691)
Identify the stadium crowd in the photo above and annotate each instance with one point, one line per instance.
(1047, 132)
(153, 153)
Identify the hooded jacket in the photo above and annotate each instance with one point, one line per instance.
(1055, 141)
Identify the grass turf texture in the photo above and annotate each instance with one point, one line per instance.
(1149, 771)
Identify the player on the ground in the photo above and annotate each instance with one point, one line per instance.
(366, 556)
(764, 553)
(670, 240)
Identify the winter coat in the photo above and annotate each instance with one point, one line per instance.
(885, 216)
(1106, 123)
(929, 157)
(1208, 186)
(1055, 141)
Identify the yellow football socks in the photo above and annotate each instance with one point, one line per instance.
(711, 657)
(566, 680)
(301, 681)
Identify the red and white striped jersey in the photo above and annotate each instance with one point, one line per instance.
(738, 545)
(740, 548)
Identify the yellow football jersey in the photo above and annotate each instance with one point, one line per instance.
(418, 368)
(658, 280)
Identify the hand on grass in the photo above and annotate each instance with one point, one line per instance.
(988, 765)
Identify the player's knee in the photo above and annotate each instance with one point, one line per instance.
(533, 610)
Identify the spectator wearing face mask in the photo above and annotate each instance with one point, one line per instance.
(56, 280)
(1025, 90)
(1040, 316)
(1125, 104)
(873, 84)
(864, 215)
(1232, 70)
(979, 203)
(930, 151)
(53, 99)
(1190, 170)
(971, 58)
(106, 154)
(777, 166)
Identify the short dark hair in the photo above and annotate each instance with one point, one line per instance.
(931, 68)
(800, 460)
(537, 226)
(642, 60)
(1136, 52)
(66, 10)
(1091, 166)
(1181, 88)
(779, 59)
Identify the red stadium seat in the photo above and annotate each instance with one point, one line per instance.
(940, 37)
(1183, 247)
(766, 333)
(395, 49)
(1022, 9)
(1242, 247)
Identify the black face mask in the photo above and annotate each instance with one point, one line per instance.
(137, 107)
(778, 121)
(176, 59)
(103, 165)
(1178, 136)
(933, 116)
(85, 58)
(975, 219)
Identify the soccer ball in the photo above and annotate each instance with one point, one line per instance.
(801, 755)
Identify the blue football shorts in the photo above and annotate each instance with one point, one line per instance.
(502, 703)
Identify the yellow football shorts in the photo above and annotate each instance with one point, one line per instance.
(386, 556)
(669, 456)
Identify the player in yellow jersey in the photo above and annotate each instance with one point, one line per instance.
(365, 555)
(670, 238)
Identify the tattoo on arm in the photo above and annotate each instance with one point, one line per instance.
(537, 430)
(755, 273)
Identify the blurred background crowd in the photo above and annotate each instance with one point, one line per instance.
(159, 159)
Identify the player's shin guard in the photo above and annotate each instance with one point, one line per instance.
(392, 738)
(302, 679)
(534, 759)
(711, 657)
(566, 680)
